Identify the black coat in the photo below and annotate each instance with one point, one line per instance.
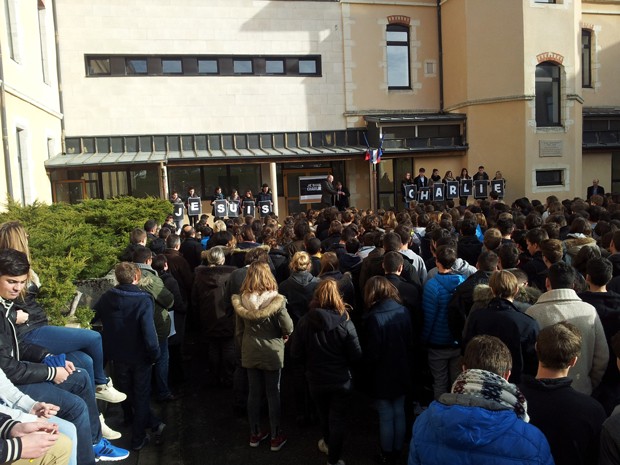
(571, 421)
(298, 290)
(191, 248)
(515, 329)
(327, 343)
(469, 248)
(208, 299)
(280, 261)
(462, 300)
(533, 268)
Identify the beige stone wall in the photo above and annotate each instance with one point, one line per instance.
(31, 99)
(158, 104)
(596, 165)
(364, 26)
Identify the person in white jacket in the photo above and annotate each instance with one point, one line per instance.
(561, 303)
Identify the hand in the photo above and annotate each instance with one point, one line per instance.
(39, 426)
(69, 366)
(285, 338)
(36, 444)
(44, 410)
(61, 375)
(21, 317)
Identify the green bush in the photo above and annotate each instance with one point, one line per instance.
(82, 241)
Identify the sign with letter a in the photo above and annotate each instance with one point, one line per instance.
(264, 207)
(452, 189)
(249, 209)
(220, 207)
(194, 206)
(438, 194)
(481, 189)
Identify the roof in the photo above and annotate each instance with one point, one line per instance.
(415, 118)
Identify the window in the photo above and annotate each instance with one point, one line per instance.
(274, 66)
(547, 94)
(98, 67)
(586, 58)
(242, 66)
(135, 66)
(307, 67)
(398, 57)
(44, 43)
(171, 66)
(10, 7)
(207, 67)
(549, 178)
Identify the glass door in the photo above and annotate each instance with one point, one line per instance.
(291, 189)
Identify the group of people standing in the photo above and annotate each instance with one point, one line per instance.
(334, 194)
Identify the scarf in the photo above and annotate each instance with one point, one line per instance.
(487, 385)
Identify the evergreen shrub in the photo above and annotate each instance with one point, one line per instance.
(81, 241)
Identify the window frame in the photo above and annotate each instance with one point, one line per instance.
(556, 120)
(586, 61)
(401, 44)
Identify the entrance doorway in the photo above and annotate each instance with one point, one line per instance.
(69, 191)
(291, 188)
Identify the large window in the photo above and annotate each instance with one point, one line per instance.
(398, 57)
(586, 58)
(547, 94)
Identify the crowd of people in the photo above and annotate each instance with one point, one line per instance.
(488, 330)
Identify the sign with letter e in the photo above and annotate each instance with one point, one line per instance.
(194, 206)
(497, 185)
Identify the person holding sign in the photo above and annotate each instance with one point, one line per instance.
(217, 195)
(264, 199)
(178, 212)
(463, 177)
(193, 205)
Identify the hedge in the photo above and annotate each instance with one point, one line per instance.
(81, 241)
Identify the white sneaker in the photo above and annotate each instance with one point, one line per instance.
(323, 446)
(106, 431)
(108, 393)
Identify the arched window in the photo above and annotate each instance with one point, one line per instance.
(398, 56)
(547, 94)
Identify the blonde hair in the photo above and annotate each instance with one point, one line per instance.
(504, 284)
(215, 256)
(14, 236)
(259, 279)
(327, 296)
(218, 226)
(300, 262)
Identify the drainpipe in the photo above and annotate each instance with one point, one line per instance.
(5, 130)
(440, 44)
(273, 182)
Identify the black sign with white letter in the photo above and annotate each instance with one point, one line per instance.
(194, 206)
(233, 209)
(424, 194)
(264, 207)
(249, 209)
(497, 185)
(220, 208)
(179, 211)
(438, 192)
(452, 189)
(481, 189)
(410, 192)
(466, 188)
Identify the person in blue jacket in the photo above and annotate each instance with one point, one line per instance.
(388, 345)
(483, 420)
(443, 348)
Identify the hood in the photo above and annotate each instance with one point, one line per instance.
(258, 306)
(461, 266)
(528, 295)
(336, 274)
(321, 319)
(454, 417)
(483, 294)
(615, 261)
(547, 384)
(449, 281)
(303, 278)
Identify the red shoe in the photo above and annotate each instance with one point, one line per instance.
(278, 442)
(256, 439)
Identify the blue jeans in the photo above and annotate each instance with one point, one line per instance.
(68, 430)
(82, 346)
(392, 423)
(268, 381)
(161, 369)
(135, 381)
(76, 400)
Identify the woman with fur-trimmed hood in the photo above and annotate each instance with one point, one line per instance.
(262, 327)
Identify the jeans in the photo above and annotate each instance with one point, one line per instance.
(76, 400)
(161, 369)
(221, 360)
(68, 430)
(135, 380)
(269, 381)
(332, 406)
(82, 346)
(444, 366)
(392, 423)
